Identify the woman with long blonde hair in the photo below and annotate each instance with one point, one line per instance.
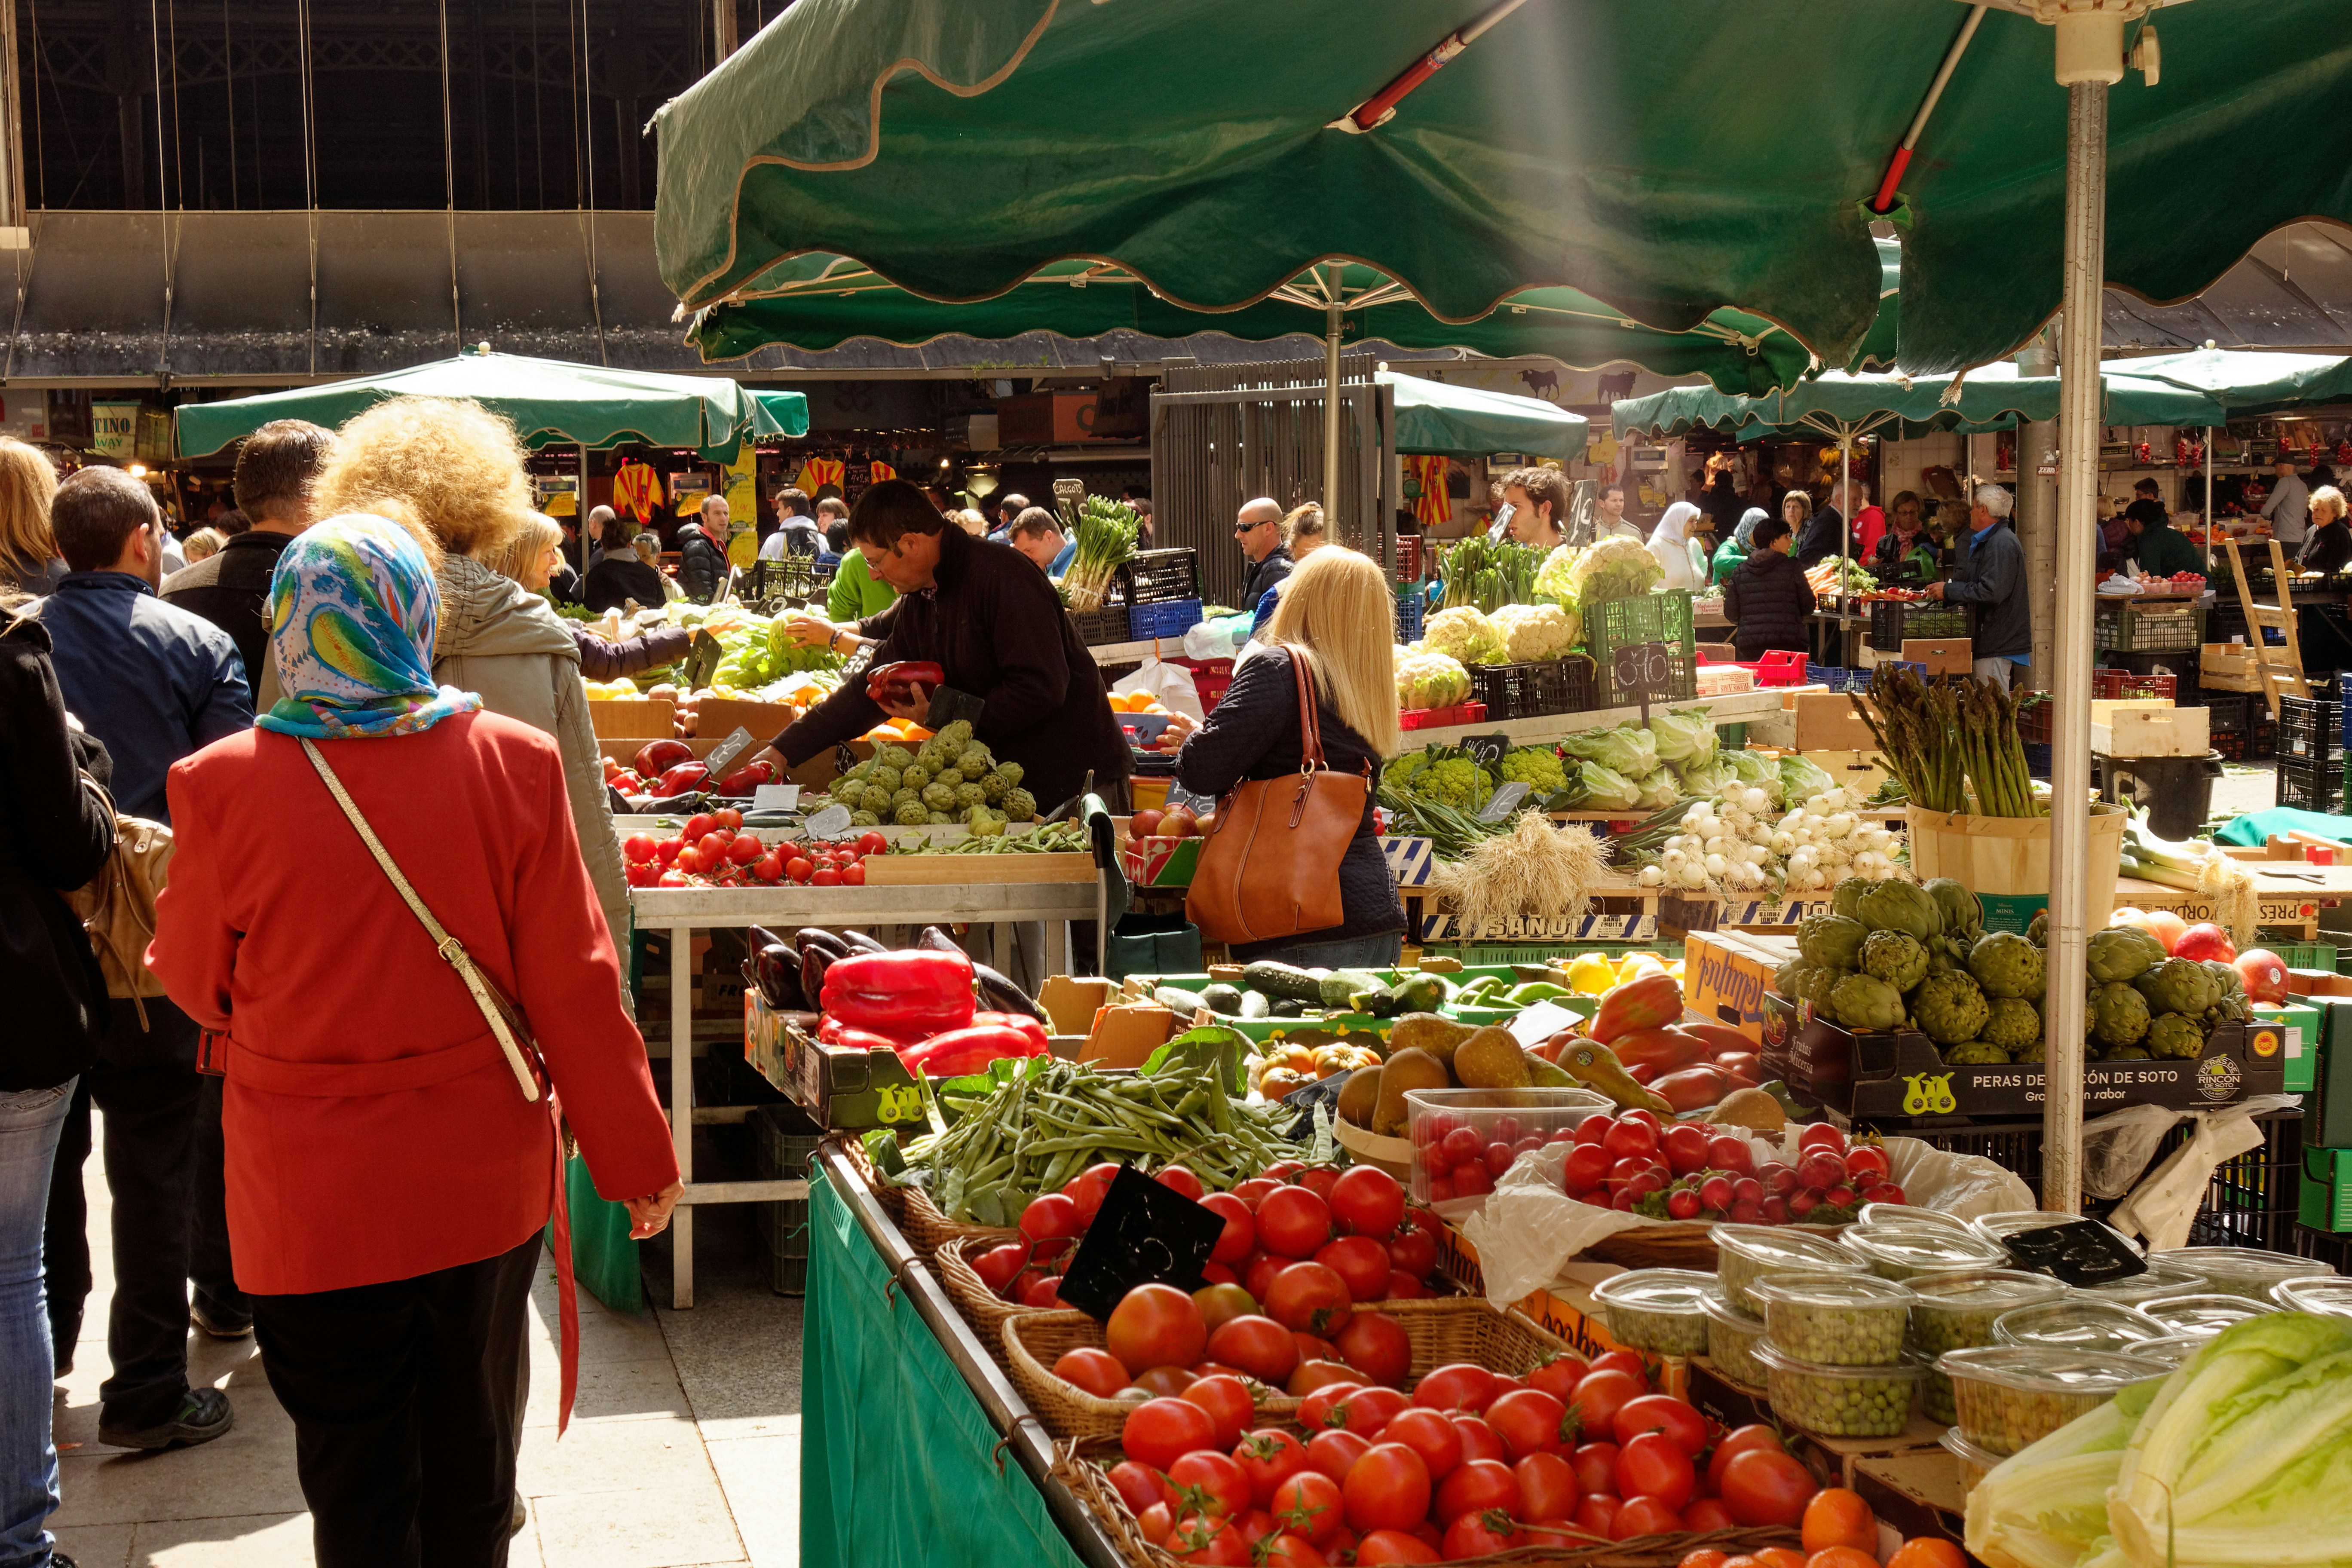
(1338, 617)
(30, 562)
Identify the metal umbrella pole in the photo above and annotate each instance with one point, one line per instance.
(1331, 312)
(2211, 513)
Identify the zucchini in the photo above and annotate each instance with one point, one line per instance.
(1222, 998)
(1288, 1007)
(1254, 1004)
(1414, 994)
(1178, 1000)
(1348, 990)
(1280, 979)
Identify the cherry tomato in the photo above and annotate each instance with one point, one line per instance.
(1308, 1503)
(1474, 1487)
(1166, 1382)
(1179, 1179)
(1599, 1395)
(1387, 1488)
(1924, 1552)
(1308, 1297)
(1140, 1486)
(1043, 1292)
(1294, 1222)
(1255, 1191)
(1051, 1217)
(799, 868)
(1362, 1264)
(1389, 1548)
(1547, 1486)
(1316, 1414)
(1376, 1344)
(1405, 1288)
(1596, 1515)
(1268, 1456)
(728, 817)
(1226, 1398)
(1708, 1513)
(1596, 1467)
(1158, 1431)
(854, 874)
(825, 876)
(1209, 1540)
(1240, 1235)
(1258, 1275)
(1625, 1362)
(1644, 1516)
(1653, 1465)
(1479, 1439)
(1155, 1521)
(1529, 1421)
(639, 846)
(1414, 1252)
(1367, 1410)
(1462, 1385)
(1154, 1325)
(1220, 1305)
(1733, 1444)
(1368, 1201)
(1431, 1435)
(1559, 1375)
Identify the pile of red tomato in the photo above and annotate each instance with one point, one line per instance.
(714, 850)
(1636, 1163)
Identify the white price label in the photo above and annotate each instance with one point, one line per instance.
(830, 822)
(775, 797)
(1504, 801)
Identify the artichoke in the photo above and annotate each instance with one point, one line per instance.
(2035, 1052)
(1020, 806)
(2226, 976)
(2118, 1013)
(863, 819)
(1976, 1053)
(2008, 966)
(2011, 1023)
(1867, 1004)
(2123, 953)
(887, 778)
(2175, 1035)
(1845, 898)
(1832, 941)
(2178, 985)
(1820, 983)
(2037, 930)
(976, 762)
(1901, 906)
(939, 819)
(909, 814)
(1789, 979)
(905, 793)
(1895, 958)
(1963, 911)
(1011, 772)
(956, 735)
(1951, 1011)
(992, 787)
(914, 777)
(938, 795)
(876, 799)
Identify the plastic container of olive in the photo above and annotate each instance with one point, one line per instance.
(1875, 1215)
(2330, 1296)
(1972, 1461)
(1842, 1319)
(1746, 1253)
(2077, 1323)
(1658, 1310)
(2203, 1316)
(1957, 1313)
(2242, 1270)
(1731, 1338)
(1905, 1252)
(2161, 1279)
(1839, 1401)
(2173, 1350)
(2009, 1398)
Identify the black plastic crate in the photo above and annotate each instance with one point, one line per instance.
(2180, 664)
(2261, 737)
(2311, 730)
(1107, 625)
(1155, 576)
(785, 1142)
(2230, 745)
(1892, 620)
(1682, 683)
(1533, 689)
(2226, 713)
(2312, 787)
(1645, 617)
(2157, 626)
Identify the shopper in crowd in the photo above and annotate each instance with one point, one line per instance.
(203, 544)
(1007, 511)
(702, 551)
(858, 604)
(1869, 518)
(1767, 600)
(154, 683)
(1304, 524)
(2160, 549)
(1720, 501)
(1142, 508)
(1823, 536)
(796, 531)
(1257, 529)
(622, 575)
(233, 522)
(394, 1334)
(973, 525)
(30, 562)
(2146, 507)
(1002, 638)
(1338, 617)
(1681, 560)
(276, 467)
(1991, 576)
(1037, 534)
(1734, 549)
(54, 836)
(1906, 547)
(453, 471)
(1539, 500)
(2288, 509)
(647, 548)
(2329, 549)
(1610, 519)
(584, 542)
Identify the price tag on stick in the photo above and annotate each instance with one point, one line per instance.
(1503, 801)
(1143, 1234)
(1487, 751)
(1641, 673)
(722, 756)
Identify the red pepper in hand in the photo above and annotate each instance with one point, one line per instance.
(748, 778)
(883, 679)
(915, 992)
(961, 1051)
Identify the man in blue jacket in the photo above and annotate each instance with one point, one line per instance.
(1991, 576)
(155, 682)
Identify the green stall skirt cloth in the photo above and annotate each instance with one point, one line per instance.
(895, 1451)
(604, 1257)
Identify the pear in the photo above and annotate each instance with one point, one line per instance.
(1491, 1059)
(1404, 1071)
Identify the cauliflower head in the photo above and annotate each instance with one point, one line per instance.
(1553, 578)
(1532, 632)
(1431, 680)
(1614, 568)
(1464, 635)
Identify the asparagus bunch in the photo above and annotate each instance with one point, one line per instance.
(1993, 754)
(1917, 729)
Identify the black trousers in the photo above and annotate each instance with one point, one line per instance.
(407, 1400)
(146, 1083)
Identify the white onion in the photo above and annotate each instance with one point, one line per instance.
(1695, 815)
(1839, 826)
(1653, 877)
(1675, 857)
(1754, 799)
(1715, 865)
(1715, 845)
(1833, 800)
(1693, 874)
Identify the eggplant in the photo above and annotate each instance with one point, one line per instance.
(1002, 996)
(937, 940)
(824, 942)
(815, 961)
(860, 943)
(776, 971)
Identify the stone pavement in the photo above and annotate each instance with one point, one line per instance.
(684, 1448)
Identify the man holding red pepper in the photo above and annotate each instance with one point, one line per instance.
(978, 634)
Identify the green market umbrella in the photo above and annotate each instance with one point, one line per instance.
(1437, 417)
(550, 402)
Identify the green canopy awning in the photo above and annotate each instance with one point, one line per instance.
(1670, 161)
(550, 402)
(1438, 419)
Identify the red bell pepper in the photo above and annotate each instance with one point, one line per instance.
(682, 778)
(960, 1051)
(1021, 1021)
(915, 992)
(831, 1031)
(883, 679)
(748, 778)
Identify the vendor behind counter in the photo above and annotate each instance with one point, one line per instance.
(994, 625)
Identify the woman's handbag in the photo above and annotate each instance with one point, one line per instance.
(117, 907)
(1271, 866)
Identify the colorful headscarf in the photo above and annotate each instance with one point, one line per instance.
(352, 609)
(1746, 532)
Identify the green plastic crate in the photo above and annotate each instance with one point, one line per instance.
(2325, 1201)
(2307, 955)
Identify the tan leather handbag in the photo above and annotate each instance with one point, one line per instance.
(1271, 867)
(117, 906)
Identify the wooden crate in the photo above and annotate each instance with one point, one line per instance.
(719, 717)
(1861, 771)
(1827, 721)
(946, 870)
(633, 718)
(1942, 656)
(2148, 729)
(2228, 667)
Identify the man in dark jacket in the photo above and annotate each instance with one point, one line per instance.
(230, 588)
(1257, 529)
(994, 626)
(620, 576)
(1822, 537)
(2161, 549)
(702, 553)
(1767, 600)
(1991, 576)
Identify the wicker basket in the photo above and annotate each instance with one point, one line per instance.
(982, 1308)
(886, 1193)
(1089, 1482)
(1442, 1332)
(927, 1229)
(1657, 1246)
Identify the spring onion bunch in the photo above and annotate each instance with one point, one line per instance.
(1106, 530)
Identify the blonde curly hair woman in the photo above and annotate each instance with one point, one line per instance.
(451, 473)
(30, 562)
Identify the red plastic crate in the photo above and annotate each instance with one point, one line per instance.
(2113, 685)
(1441, 718)
(1779, 669)
(1211, 677)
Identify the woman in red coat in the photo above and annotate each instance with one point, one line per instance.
(388, 1179)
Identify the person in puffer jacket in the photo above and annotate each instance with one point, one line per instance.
(702, 553)
(1767, 600)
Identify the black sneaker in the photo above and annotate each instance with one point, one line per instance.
(204, 1415)
(59, 1560)
(518, 1518)
(220, 1325)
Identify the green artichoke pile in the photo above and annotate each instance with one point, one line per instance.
(2145, 1005)
(951, 779)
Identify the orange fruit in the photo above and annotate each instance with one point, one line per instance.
(1706, 1557)
(1781, 1557)
(1927, 1552)
(1841, 1557)
(1837, 1517)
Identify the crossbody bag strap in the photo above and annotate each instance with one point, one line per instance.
(448, 946)
(1310, 732)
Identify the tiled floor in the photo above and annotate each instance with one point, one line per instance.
(684, 1448)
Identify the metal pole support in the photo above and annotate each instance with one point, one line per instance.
(1331, 411)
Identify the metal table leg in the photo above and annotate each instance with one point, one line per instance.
(681, 1108)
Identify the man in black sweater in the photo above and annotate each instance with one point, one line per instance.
(994, 626)
(230, 588)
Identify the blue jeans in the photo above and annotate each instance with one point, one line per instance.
(1380, 951)
(30, 1120)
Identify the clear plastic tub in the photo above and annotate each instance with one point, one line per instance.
(2168, 1353)
(2077, 1323)
(2330, 1297)
(2203, 1316)
(1747, 1252)
(1878, 1215)
(1732, 1336)
(1972, 1461)
(2007, 1221)
(1658, 1310)
(1957, 1313)
(2011, 1397)
(1907, 1252)
(1839, 1401)
(1842, 1319)
(1456, 1131)
(2243, 1271)
(2161, 1279)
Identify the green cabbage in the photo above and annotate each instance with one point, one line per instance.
(1708, 778)
(1605, 789)
(1755, 772)
(1801, 780)
(1660, 790)
(1626, 748)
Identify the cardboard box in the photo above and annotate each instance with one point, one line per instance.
(1726, 974)
(640, 719)
(719, 717)
(1914, 1494)
(1070, 1002)
(1827, 721)
(1124, 1034)
(1942, 656)
(2303, 1020)
(2270, 908)
(844, 1089)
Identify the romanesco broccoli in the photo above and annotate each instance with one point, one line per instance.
(1457, 781)
(1539, 768)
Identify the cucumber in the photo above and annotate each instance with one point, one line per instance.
(1254, 1004)
(1414, 994)
(1280, 979)
(1224, 999)
(1347, 990)
(1178, 1000)
(1288, 1007)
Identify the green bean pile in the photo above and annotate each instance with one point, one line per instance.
(1035, 1133)
(1055, 837)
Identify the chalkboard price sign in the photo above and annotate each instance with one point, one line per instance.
(1642, 673)
(1487, 751)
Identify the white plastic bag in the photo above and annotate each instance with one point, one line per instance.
(1220, 639)
(1171, 684)
(2162, 1207)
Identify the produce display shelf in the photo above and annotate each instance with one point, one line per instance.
(1761, 707)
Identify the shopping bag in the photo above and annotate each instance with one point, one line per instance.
(1170, 684)
(604, 1255)
(1151, 944)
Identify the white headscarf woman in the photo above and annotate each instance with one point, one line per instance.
(1671, 543)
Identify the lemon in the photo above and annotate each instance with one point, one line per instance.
(1591, 973)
